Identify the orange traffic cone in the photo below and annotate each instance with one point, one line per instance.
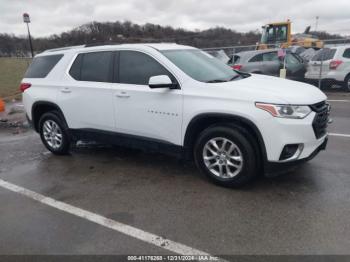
(2, 105)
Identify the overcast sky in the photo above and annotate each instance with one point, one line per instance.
(56, 16)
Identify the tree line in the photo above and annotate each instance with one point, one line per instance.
(127, 32)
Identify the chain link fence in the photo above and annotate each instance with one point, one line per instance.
(326, 68)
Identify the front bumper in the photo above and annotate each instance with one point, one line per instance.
(308, 134)
(332, 75)
(273, 168)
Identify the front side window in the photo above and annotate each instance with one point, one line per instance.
(270, 57)
(137, 68)
(42, 66)
(200, 65)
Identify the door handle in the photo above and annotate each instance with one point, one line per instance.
(66, 90)
(122, 95)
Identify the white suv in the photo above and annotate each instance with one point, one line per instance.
(175, 99)
(332, 65)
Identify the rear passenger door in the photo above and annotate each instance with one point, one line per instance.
(140, 110)
(271, 63)
(86, 99)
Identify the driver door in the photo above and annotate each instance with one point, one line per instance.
(140, 110)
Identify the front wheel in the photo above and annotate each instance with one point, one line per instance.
(53, 133)
(226, 156)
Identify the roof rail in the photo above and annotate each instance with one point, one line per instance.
(101, 43)
(63, 48)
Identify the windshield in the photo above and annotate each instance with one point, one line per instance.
(274, 33)
(201, 66)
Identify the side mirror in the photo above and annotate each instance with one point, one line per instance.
(161, 81)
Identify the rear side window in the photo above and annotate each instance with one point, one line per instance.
(136, 68)
(42, 66)
(257, 58)
(347, 53)
(94, 67)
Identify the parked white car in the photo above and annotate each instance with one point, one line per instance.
(174, 99)
(332, 65)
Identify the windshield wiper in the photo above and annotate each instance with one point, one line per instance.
(235, 77)
(216, 81)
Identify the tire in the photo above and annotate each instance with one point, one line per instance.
(242, 169)
(54, 134)
(326, 86)
(346, 84)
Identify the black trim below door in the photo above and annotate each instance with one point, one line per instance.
(138, 142)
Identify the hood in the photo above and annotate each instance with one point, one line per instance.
(268, 89)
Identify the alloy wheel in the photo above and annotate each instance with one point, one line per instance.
(52, 134)
(222, 157)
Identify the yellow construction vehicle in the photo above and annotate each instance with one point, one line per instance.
(280, 35)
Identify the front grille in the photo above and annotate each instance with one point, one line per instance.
(320, 122)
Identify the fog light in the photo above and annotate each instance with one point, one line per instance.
(291, 151)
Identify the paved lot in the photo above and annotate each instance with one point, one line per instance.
(304, 212)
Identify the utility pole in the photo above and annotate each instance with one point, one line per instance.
(26, 20)
(316, 25)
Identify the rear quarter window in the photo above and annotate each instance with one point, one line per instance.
(236, 59)
(42, 66)
(324, 55)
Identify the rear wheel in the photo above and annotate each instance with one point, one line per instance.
(53, 133)
(346, 84)
(226, 156)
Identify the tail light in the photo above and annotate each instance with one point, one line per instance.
(334, 64)
(24, 86)
(237, 67)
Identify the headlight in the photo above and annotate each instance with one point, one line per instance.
(285, 111)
